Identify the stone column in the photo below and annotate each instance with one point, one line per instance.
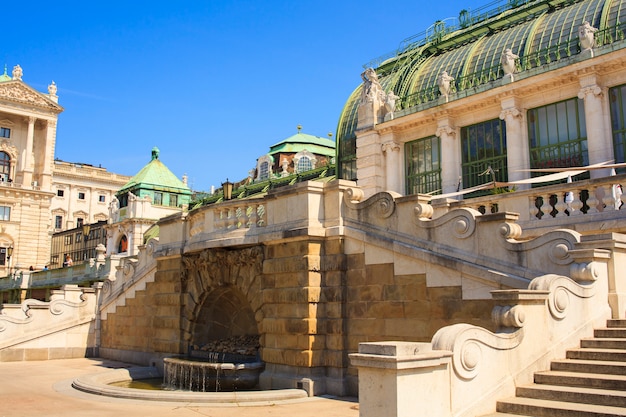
(516, 142)
(599, 143)
(27, 153)
(46, 177)
(450, 156)
(393, 166)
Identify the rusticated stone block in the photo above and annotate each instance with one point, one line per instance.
(333, 246)
(366, 327)
(36, 354)
(335, 341)
(365, 293)
(379, 274)
(282, 265)
(385, 309)
(355, 261)
(332, 294)
(355, 277)
(333, 310)
(405, 329)
(333, 278)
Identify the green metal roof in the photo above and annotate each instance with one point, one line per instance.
(5, 77)
(539, 31)
(301, 141)
(155, 176)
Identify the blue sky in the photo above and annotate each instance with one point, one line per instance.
(212, 84)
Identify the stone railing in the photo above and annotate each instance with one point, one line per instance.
(562, 204)
(61, 328)
(465, 368)
(131, 275)
(242, 215)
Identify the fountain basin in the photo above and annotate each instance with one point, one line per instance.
(99, 384)
(193, 374)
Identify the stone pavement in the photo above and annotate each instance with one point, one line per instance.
(42, 388)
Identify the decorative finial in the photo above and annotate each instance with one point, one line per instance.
(330, 135)
(299, 127)
(155, 153)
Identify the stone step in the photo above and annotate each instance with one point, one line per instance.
(546, 408)
(596, 354)
(496, 414)
(588, 366)
(616, 323)
(583, 395)
(610, 332)
(604, 343)
(577, 379)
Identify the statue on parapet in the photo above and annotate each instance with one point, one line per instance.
(372, 90)
(508, 62)
(390, 105)
(443, 81)
(17, 73)
(587, 38)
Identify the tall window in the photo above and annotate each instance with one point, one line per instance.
(123, 245)
(423, 167)
(3, 256)
(617, 99)
(5, 213)
(5, 132)
(60, 193)
(173, 200)
(264, 171)
(5, 166)
(347, 158)
(158, 199)
(557, 135)
(304, 164)
(482, 146)
(58, 222)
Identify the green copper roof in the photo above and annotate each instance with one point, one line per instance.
(5, 77)
(155, 176)
(302, 141)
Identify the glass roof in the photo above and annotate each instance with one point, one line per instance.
(526, 29)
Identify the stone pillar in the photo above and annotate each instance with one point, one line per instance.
(516, 141)
(450, 156)
(403, 379)
(599, 143)
(369, 163)
(27, 153)
(46, 177)
(393, 166)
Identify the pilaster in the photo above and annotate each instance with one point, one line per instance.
(599, 143)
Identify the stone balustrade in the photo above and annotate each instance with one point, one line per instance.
(466, 368)
(60, 328)
(596, 200)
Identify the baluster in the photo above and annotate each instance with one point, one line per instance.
(609, 199)
(239, 218)
(260, 211)
(251, 215)
(533, 210)
(592, 202)
(546, 207)
(576, 205)
(560, 206)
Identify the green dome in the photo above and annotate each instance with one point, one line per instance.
(5, 77)
(540, 32)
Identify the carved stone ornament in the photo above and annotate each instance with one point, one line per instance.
(586, 37)
(19, 93)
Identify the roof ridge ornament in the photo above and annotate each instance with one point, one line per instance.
(155, 153)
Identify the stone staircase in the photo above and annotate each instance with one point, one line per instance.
(590, 382)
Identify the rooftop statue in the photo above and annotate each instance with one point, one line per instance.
(586, 36)
(507, 60)
(443, 81)
(390, 105)
(372, 90)
(17, 73)
(52, 89)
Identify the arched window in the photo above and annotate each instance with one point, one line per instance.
(123, 245)
(5, 166)
(304, 164)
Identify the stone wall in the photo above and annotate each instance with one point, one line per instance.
(147, 327)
